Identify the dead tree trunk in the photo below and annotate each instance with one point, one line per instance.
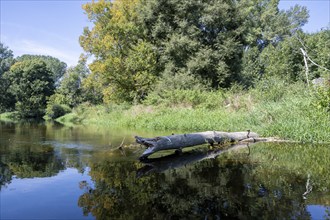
(193, 139)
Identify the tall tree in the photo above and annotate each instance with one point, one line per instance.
(70, 88)
(56, 66)
(208, 38)
(205, 39)
(6, 58)
(202, 38)
(317, 46)
(265, 24)
(124, 61)
(266, 27)
(6, 61)
(31, 83)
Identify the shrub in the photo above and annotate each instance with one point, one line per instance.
(54, 111)
(186, 98)
(322, 98)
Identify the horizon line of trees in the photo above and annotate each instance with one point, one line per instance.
(31, 84)
(148, 46)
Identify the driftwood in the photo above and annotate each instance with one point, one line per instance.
(181, 141)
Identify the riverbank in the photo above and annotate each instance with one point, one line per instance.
(273, 108)
(287, 111)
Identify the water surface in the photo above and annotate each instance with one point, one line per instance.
(48, 171)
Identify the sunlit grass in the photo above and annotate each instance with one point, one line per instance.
(283, 110)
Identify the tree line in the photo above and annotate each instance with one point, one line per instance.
(148, 46)
(145, 46)
(29, 82)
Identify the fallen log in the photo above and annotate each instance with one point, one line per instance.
(181, 141)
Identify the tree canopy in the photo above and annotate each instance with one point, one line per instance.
(135, 42)
(30, 83)
(57, 67)
(6, 58)
(146, 47)
(124, 63)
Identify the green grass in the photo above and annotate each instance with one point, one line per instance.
(9, 116)
(272, 109)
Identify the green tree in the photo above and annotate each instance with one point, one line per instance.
(31, 83)
(6, 60)
(266, 27)
(57, 67)
(70, 86)
(7, 100)
(265, 24)
(317, 45)
(70, 92)
(124, 62)
(215, 41)
(208, 38)
(197, 37)
(284, 60)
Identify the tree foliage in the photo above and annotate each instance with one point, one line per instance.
(70, 86)
(6, 60)
(135, 42)
(31, 83)
(70, 92)
(125, 62)
(317, 46)
(286, 60)
(57, 67)
(208, 38)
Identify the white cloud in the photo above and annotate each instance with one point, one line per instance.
(27, 30)
(30, 40)
(21, 47)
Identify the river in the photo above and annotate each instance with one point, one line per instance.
(49, 171)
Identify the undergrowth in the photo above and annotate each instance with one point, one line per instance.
(272, 108)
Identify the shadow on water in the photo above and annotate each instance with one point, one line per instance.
(267, 181)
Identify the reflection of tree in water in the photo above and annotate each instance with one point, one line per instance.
(5, 175)
(27, 161)
(117, 193)
(75, 158)
(225, 190)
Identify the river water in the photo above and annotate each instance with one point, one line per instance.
(49, 171)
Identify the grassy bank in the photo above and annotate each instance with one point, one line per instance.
(279, 109)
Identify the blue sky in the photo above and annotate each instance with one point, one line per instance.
(53, 27)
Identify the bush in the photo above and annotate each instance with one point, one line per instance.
(54, 111)
(272, 88)
(186, 98)
(322, 98)
(180, 81)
